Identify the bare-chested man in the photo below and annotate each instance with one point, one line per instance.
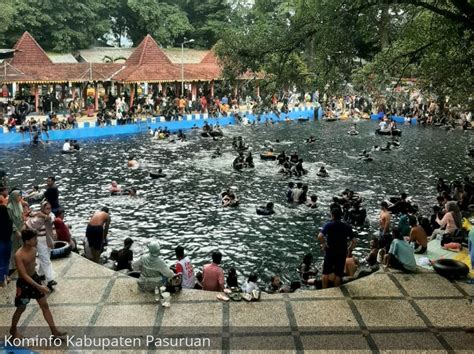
(97, 231)
(385, 218)
(28, 285)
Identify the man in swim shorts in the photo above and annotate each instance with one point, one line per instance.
(28, 285)
(96, 232)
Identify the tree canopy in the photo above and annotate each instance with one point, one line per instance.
(374, 44)
(69, 25)
(324, 44)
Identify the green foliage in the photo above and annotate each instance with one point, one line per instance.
(7, 12)
(121, 19)
(434, 49)
(208, 18)
(371, 43)
(59, 25)
(323, 44)
(165, 22)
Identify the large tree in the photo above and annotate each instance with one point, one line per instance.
(6, 19)
(59, 25)
(374, 42)
(208, 18)
(164, 21)
(435, 46)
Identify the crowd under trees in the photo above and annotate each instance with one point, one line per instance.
(304, 43)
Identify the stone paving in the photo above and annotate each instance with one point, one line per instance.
(386, 311)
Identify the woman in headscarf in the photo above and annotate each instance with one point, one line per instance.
(15, 211)
(5, 244)
(451, 221)
(154, 271)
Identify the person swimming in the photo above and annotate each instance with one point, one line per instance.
(353, 130)
(131, 192)
(249, 160)
(239, 162)
(294, 158)
(281, 158)
(365, 156)
(75, 145)
(312, 202)
(157, 174)
(35, 194)
(298, 169)
(216, 153)
(286, 167)
(114, 188)
(311, 139)
(266, 210)
(322, 172)
(132, 163)
(387, 147)
(229, 198)
(66, 146)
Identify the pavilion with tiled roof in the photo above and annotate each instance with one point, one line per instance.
(148, 63)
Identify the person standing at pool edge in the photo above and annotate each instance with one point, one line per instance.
(97, 231)
(333, 238)
(52, 194)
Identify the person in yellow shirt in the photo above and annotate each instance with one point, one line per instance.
(181, 105)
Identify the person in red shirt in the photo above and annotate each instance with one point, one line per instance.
(213, 275)
(11, 123)
(62, 230)
(203, 104)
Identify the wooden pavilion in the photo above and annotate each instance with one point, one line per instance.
(30, 68)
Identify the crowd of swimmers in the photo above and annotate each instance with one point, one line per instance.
(394, 247)
(165, 134)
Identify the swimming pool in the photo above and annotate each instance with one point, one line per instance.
(184, 208)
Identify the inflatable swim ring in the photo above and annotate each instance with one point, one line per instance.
(61, 249)
(264, 211)
(270, 156)
(214, 133)
(395, 132)
(450, 268)
(157, 175)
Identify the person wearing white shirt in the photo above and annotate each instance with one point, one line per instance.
(383, 126)
(66, 145)
(42, 223)
(251, 284)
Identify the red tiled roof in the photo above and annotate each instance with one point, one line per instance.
(79, 72)
(201, 72)
(9, 73)
(149, 73)
(148, 53)
(29, 52)
(148, 63)
(210, 58)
